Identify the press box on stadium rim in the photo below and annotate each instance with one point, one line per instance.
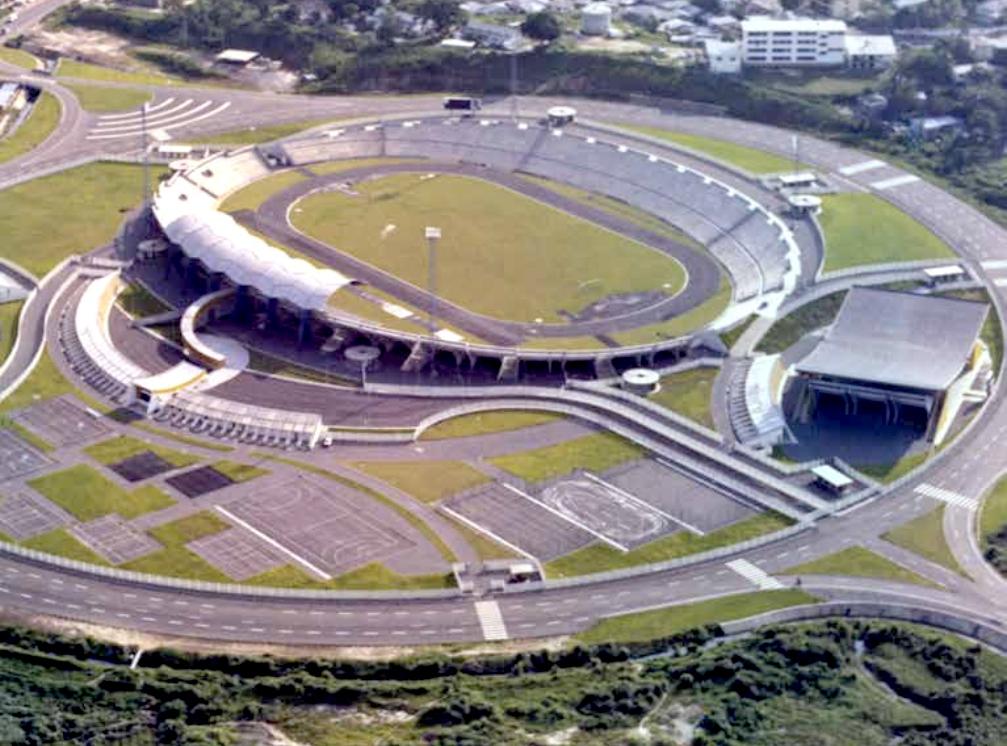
(462, 103)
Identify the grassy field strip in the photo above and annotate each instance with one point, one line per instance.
(86, 494)
(427, 481)
(575, 262)
(102, 99)
(256, 135)
(925, 536)
(992, 526)
(688, 393)
(596, 453)
(698, 317)
(252, 196)
(89, 200)
(19, 57)
(45, 381)
(748, 159)
(122, 447)
(374, 576)
(486, 423)
(865, 229)
(655, 623)
(600, 558)
(87, 71)
(41, 122)
(859, 562)
(9, 314)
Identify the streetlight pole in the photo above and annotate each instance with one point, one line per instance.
(433, 235)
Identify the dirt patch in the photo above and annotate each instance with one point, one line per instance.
(94, 46)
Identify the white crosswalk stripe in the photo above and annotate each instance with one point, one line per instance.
(995, 264)
(491, 620)
(859, 168)
(895, 181)
(756, 575)
(952, 498)
(159, 119)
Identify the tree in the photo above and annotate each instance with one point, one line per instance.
(442, 13)
(543, 26)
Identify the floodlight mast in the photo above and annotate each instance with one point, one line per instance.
(433, 235)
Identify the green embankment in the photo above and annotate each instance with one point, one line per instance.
(925, 536)
(749, 159)
(648, 625)
(427, 481)
(486, 423)
(601, 557)
(595, 453)
(102, 99)
(865, 229)
(41, 122)
(117, 449)
(859, 562)
(688, 393)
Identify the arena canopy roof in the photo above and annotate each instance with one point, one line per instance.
(223, 245)
(898, 339)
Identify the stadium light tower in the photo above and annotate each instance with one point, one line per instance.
(433, 235)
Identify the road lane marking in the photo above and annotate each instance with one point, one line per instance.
(895, 181)
(755, 575)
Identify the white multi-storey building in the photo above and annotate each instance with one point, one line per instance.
(793, 42)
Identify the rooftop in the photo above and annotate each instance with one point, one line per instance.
(765, 23)
(898, 339)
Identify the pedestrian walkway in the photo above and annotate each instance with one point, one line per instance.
(491, 620)
(759, 577)
(952, 498)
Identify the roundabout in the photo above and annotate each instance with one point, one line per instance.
(661, 514)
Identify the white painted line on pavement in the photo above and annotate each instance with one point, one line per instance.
(633, 498)
(491, 620)
(755, 574)
(952, 498)
(859, 168)
(567, 518)
(274, 543)
(895, 181)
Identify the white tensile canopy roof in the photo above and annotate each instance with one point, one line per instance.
(224, 246)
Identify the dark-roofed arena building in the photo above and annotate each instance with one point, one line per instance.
(898, 351)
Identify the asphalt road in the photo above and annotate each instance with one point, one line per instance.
(967, 467)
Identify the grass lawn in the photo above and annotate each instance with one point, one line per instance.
(925, 537)
(650, 625)
(484, 423)
(90, 202)
(595, 453)
(861, 563)
(732, 335)
(87, 71)
(101, 99)
(793, 326)
(8, 327)
(255, 135)
(239, 472)
(18, 57)
(87, 495)
(601, 557)
(687, 323)
(502, 254)
(414, 520)
(749, 159)
(889, 472)
(374, 576)
(138, 302)
(688, 394)
(26, 435)
(618, 208)
(116, 449)
(485, 547)
(44, 382)
(993, 515)
(348, 301)
(41, 122)
(64, 544)
(252, 196)
(338, 167)
(428, 481)
(175, 559)
(864, 229)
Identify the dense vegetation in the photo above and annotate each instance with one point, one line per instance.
(861, 684)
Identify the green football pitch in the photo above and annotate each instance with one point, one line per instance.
(501, 254)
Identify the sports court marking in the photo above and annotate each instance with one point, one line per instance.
(687, 526)
(756, 575)
(566, 518)
(23, 517)
(238, 553)
(859, 168)
(947, 496)
(114, 539)
(60, 422)
(17, 458)
(274, 543)
(491, 620)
